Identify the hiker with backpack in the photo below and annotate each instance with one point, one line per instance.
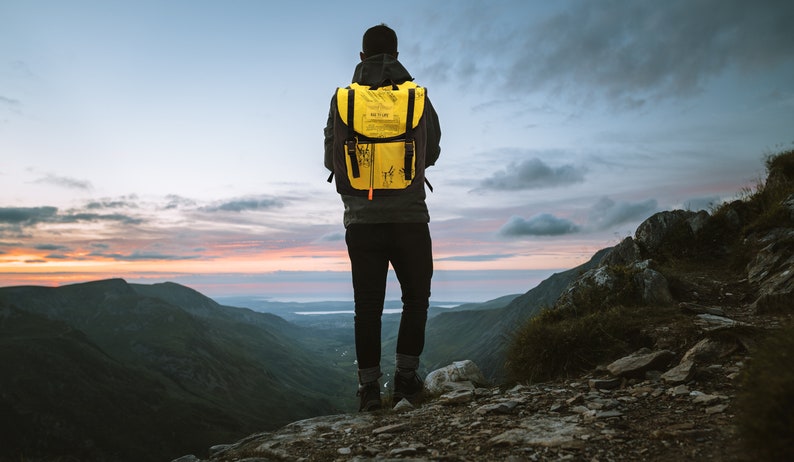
(381, 134)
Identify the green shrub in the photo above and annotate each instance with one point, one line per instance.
(559, 343)
(765, 406)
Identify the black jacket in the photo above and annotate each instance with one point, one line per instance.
(405, 208)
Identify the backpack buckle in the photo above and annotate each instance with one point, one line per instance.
(351, 152)
(409, 156)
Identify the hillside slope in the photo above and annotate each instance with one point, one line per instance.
(63, 395)
(181, 363)
(483, 335)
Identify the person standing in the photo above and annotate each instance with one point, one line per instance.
(385, 226)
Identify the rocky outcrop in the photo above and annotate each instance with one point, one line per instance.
(621, 277)
(772, 269)
(630, 268)
(657, 230)
(628, 273)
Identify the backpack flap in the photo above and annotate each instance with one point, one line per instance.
(380, 146)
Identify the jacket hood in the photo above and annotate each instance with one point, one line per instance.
(379, 69)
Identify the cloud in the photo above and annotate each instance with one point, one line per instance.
(59, 256)
(477, 258)
(634, 51)
(10, 102)
(95, 217)
(533, 174)
(702, 203)
(332, 237)
(138, 256)
(604, 214)
(175, 201)
(628, 53)
(607, 213)
(246, 204)
(50, 247)
(544, 224)
(65, 182)
(15, 219)
(26, 216)
(113, 204)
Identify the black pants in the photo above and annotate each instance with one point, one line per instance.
(371, 247)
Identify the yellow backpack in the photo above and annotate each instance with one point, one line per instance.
(379, 139)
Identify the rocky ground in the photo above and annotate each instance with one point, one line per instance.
(646, 420)
(654, 405)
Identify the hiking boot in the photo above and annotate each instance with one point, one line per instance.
(369, 397)
(408, 386)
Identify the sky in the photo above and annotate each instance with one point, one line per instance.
(182, 140)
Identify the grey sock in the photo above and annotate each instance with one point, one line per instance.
(369, 375)
(406, 364)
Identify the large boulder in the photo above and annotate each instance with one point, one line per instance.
(624, 254)
(639, 362)
(653, 286)
(635, 283)
(674, 225)
(458, 375)
(704, 352)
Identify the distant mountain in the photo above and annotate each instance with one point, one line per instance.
(93, 370)
(307, 313)
(482, 335)
(499, 302)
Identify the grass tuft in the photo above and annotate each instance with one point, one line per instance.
(559, 343)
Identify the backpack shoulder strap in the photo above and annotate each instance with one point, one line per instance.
(350, 141)
(409, 134)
